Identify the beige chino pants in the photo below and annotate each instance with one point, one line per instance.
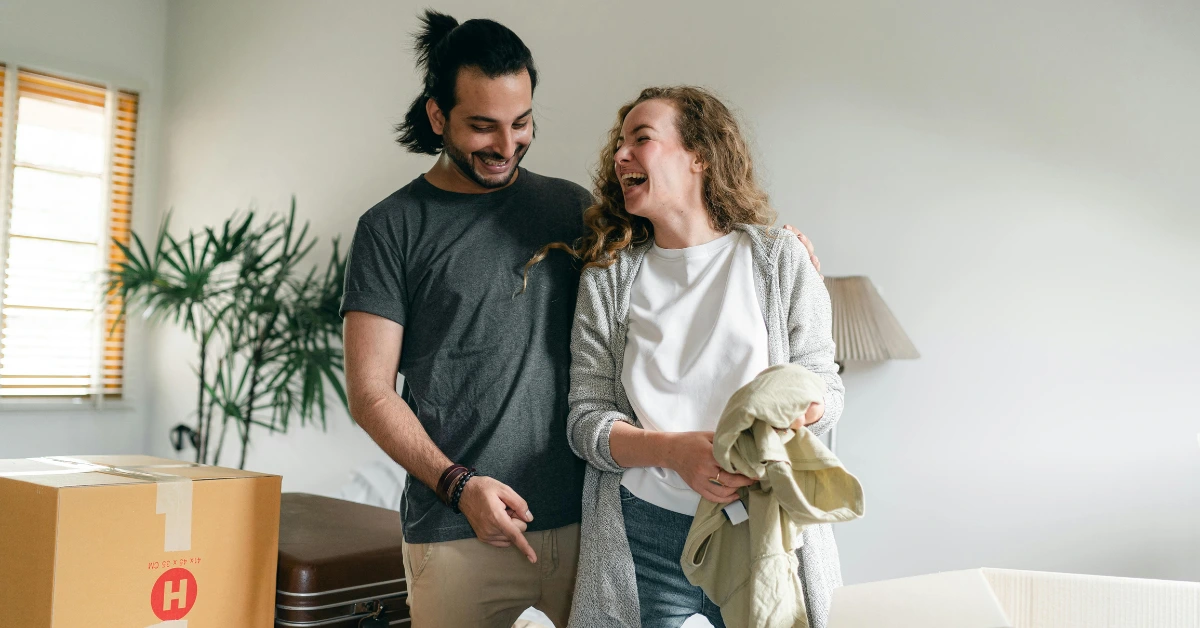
(469, 583)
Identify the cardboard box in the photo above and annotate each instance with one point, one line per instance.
(1005, 598)
(135, 541)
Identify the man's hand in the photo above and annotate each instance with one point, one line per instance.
(691, 456)
(497, 514)
(812, 255)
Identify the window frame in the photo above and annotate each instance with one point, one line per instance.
(113, 83)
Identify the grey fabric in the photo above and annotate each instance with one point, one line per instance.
(487, 368)
(799, 323)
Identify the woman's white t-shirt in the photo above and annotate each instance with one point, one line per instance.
(695, 335)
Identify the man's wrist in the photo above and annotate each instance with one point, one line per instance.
(459, 486)
(448, 481)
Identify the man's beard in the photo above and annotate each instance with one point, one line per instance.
(463, 162)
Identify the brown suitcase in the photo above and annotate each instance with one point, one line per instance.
(340, 565)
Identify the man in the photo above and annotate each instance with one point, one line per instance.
(435, 269)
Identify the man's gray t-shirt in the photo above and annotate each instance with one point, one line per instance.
(486, 367)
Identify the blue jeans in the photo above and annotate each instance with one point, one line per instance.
(656, 537)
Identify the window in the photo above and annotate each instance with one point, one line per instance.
(66, 191)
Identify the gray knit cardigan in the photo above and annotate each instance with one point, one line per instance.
(797, 313)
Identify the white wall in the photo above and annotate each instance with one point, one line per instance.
(122, 42)
(1019, 179)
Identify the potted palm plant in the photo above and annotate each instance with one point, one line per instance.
(266, 327)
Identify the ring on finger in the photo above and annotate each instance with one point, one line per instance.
(716, 480)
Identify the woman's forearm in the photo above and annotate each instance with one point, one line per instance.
(635, 447)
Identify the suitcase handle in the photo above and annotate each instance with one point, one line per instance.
(373, 620)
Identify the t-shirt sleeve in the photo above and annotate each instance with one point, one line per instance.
(585, 200)
(585, 197)
(375, 278)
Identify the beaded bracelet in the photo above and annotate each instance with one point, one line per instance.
(458, 490)
(448, 494)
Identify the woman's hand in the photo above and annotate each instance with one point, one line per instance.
(690, 454)
(815, 411)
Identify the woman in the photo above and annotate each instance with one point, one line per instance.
(686, 295)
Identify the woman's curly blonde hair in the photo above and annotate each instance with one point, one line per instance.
(732, 194)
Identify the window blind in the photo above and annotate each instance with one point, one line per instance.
(71, 173)
(112, 370)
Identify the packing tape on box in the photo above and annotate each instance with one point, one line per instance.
(174, 497)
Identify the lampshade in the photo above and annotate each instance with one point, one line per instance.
(863, 326)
